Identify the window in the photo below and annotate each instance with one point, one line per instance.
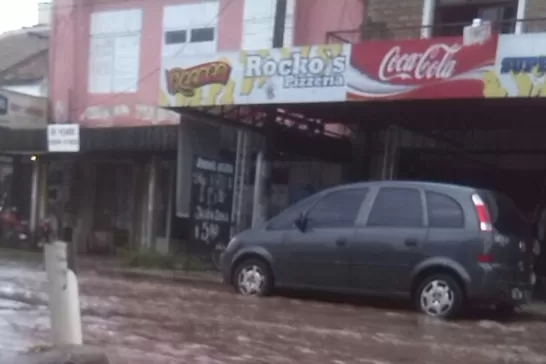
(114, 55)
(190, 28)
(444, 212)
(397, 207)
(450, 19)
(337, 209)
(175, 37)
(202, 35)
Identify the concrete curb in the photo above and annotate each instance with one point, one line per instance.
(212, 278)
(62, 355)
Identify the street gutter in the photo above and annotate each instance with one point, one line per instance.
(161, 275)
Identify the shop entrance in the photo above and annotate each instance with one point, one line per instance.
(493, 143)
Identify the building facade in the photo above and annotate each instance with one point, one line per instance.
(412, 19)
(108, 70)
(106, 65)
(24, 71)
(101, 49)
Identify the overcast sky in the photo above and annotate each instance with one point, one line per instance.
(15, 14)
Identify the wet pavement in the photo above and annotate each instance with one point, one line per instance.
(141, 322)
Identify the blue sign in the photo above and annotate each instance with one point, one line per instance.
(523, 65)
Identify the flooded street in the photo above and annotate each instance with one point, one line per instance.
(160, 323)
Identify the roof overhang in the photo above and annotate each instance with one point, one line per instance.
(22, 112)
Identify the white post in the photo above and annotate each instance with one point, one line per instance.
(520, 15)
(427, 20)
(64, 301)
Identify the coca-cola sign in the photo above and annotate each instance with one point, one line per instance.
(421, 68)
(436, 62)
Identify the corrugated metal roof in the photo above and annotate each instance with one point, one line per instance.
(24, 54)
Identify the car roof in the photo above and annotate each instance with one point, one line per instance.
(400, 183)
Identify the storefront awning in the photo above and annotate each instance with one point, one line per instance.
(23, 140)
(23, 121)
(22, 112)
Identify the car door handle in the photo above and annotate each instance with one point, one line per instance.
(412, 242)
(341, 242)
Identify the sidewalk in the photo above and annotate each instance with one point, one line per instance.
(159, 275)
(60, 355)
(115, 267)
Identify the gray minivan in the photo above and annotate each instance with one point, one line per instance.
(441, 245)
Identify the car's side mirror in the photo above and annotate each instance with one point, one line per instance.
(301, 223)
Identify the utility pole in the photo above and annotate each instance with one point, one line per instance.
(278, 42)
(264, 158)
(278, 26)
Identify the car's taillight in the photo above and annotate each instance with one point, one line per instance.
(485, 258)
(483, 215)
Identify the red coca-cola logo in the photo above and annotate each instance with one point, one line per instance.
(436, 62)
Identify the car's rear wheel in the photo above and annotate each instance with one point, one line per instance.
(440, 296)
(253, 277)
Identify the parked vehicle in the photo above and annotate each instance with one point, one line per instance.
(14, 231)
(443, 246)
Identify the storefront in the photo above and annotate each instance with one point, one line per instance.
(23, 121)
(368, 104)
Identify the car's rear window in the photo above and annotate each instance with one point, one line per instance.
(505, 216)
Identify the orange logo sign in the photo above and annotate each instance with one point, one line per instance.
(186, 80)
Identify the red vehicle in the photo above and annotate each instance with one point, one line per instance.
(14, 231)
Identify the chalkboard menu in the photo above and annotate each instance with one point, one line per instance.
(211, 201)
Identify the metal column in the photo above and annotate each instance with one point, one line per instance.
(427, 20)
(240, 178)
(170, 203)
(150, 208)
(361, 151)
(260, 180)
(42, 209)
(520, 15)
(35, 195)
(390, 153)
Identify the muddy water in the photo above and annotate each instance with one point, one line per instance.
(144, 323)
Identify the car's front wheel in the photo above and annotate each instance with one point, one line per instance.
(253, 277)
(439, 296)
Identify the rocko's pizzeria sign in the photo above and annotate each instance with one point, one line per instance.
(299, 71)
(282, 75)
